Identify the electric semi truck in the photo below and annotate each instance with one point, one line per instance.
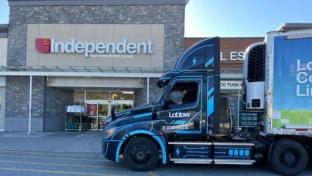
(191, 123)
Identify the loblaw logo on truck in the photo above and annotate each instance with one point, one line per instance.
(179, 114)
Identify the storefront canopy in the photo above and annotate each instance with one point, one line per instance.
(83, 71)
(90, 71)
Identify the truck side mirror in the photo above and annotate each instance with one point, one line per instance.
(113, 114)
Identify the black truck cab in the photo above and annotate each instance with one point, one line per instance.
(187, 110)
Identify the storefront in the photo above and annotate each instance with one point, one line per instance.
(94, 54)
(69, 62)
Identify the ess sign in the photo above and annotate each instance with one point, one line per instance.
(50, 45)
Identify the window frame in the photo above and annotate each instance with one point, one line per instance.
(197, 80)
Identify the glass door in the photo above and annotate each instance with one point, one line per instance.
(97, 111)
(92, 114)
(103, 112)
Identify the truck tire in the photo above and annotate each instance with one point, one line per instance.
(289, 157)
(141, 154)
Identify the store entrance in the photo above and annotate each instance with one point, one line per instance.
(98, 104)
(99, 110)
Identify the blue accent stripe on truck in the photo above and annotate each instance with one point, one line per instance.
(209, 62)
(210, 95)
(210, 105)
(143, 115)
(210, 91)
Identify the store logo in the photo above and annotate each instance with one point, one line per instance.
(43, 45)
(46, 45)
(179, 114)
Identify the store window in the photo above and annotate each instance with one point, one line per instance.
(125, 95)
(97, 95)
(103, 110)
(98, 105)
(79, 97)
(122, 107)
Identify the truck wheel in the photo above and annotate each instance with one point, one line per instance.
(289, 157)
(141, 154)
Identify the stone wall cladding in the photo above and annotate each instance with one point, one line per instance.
(172, 16)
(17, 91)
(17, 102)
(55, 102)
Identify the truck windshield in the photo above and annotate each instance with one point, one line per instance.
(158, 97)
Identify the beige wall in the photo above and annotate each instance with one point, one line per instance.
(95, 82)
(3, 51)
(96, 33)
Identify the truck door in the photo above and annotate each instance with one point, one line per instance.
(183, 112)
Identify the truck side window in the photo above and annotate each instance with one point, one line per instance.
(183, 94)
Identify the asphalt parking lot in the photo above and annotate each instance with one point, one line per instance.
(72, 154)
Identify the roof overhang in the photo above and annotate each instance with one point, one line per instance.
(83, 71)
(81, 74)
(94, 2)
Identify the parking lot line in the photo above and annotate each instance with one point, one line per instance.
(43, 157)
(55, 164)
(55, 172)
(49, 153)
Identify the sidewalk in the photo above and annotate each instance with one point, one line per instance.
(67, 142)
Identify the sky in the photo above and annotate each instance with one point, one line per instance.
(4, 12)
(232, 18)
(242, 18)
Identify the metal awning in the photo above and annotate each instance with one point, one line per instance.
(82, 71)
(91, 71)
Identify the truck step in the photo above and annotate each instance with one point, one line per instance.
(232, 144)
(190, 143)
(192, 161)
(234, 161)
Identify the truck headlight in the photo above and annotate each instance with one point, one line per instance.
(110, 132)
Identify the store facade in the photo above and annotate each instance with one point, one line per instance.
(91, 53)
(63, 61)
